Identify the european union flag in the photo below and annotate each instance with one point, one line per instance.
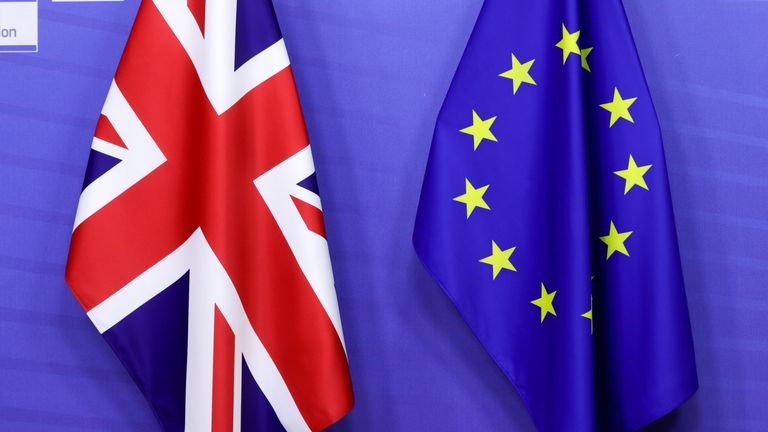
(545, 216)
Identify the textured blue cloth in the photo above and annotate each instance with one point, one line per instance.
(546, 193)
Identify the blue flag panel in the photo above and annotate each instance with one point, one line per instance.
(545, 216)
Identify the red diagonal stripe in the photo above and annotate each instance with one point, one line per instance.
(106, 132)
(197, 7)
(312, 216)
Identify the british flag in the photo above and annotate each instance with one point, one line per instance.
(199, 249)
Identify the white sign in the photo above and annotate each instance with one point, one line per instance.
(18, 26)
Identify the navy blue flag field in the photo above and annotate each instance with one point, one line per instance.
(545, 216)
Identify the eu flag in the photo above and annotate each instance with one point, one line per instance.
(545, 216)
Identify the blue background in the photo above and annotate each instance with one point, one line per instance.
(371, 75)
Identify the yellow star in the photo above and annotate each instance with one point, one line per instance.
(569, 43)
(473, 197)
(615, 241)
(584, 53)
(619, 108)
(480, 129)
(588, 315)
(519, 74)
(633, 175)
(499, 259)
(545, 302)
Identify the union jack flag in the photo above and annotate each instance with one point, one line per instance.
(199, 249)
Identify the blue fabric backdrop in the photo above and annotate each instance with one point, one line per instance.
(372, 75)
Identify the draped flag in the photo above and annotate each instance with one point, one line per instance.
(199, 248)
(545, 208)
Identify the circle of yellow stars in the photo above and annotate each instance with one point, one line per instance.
(473, 198)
